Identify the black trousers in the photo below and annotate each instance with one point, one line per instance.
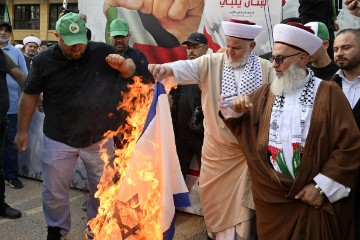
(3, 125)
(186, 149)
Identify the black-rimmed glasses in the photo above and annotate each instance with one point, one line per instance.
(280, 60)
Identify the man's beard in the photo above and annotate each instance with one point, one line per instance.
(292, 79)
(3, 40)
(31, 55)
(349, 65)
(237, 63)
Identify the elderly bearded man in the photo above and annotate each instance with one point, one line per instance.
(224, 182)
(31, 46)
(302, 145)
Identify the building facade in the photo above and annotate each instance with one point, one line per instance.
(36, 17)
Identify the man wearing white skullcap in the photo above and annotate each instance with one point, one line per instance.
(302, 146)
(31, 46)
(224, 183)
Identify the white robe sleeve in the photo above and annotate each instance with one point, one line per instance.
(333, 190)
(185, 72)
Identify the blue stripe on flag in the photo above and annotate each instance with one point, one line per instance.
(181, 200)
(159, 89)
(169, 234)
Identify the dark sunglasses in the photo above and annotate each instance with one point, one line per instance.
(280, 60)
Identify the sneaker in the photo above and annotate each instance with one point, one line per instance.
(8, 212)
(14, 183)
(88, 233)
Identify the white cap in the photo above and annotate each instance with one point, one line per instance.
(19, 46)
(241, 29)
(32, 39)
(297, 36)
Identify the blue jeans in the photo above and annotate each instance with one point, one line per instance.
(58, 161)
(10, 155)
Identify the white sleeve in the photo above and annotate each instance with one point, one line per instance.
(185, 71)
(333, 190)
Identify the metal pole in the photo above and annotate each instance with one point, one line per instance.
(65, 4)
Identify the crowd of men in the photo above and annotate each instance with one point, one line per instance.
(278, 141)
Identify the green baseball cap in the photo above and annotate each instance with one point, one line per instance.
(72, 29)
(320, 29)
(119, 27)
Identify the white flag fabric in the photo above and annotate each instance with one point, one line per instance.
(155, 151)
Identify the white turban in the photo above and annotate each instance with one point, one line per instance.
(297, 36)
(32, 39)
(241, 29)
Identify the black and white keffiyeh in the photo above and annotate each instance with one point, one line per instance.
(251, 79)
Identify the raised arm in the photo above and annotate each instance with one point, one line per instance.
(180, 18)
(126, 67)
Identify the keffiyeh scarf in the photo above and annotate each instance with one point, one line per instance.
(251, 79)
(300, 122)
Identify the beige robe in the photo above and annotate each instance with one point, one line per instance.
(225, 187)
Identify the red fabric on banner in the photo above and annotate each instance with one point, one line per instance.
(156, 54)
(170, 54)
(213, 45)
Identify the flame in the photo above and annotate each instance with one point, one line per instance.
(138, 218)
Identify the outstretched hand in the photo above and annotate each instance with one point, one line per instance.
(180, 18)
(160, 71)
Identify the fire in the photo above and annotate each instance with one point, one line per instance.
(137, 217)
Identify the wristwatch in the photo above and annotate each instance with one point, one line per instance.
(320, 190)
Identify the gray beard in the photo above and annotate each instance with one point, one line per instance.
(3, 40)
(292, 79)
(237, 64)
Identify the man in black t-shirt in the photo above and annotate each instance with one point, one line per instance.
(6, 66)
(119, 36)
(320, 62)
(81, 83)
